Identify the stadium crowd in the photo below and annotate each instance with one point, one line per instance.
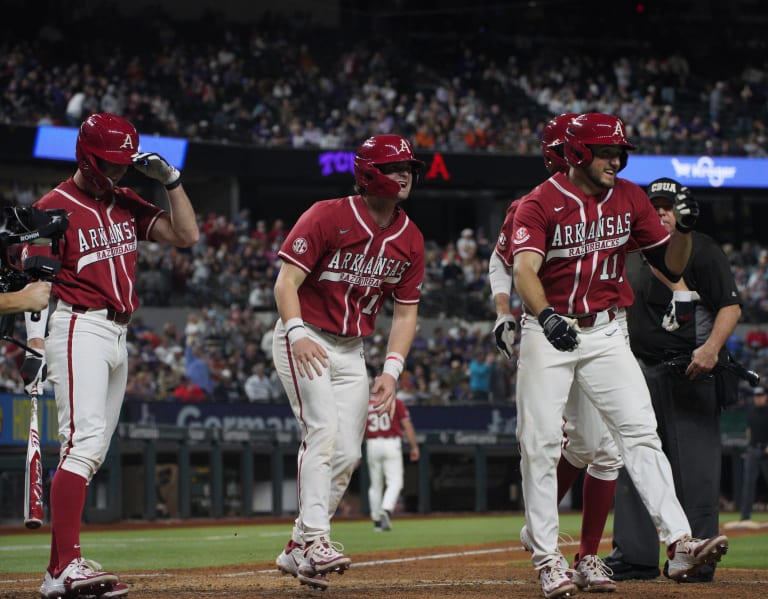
(280, 83)
(223, 353)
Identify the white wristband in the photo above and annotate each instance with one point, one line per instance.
(393, 364)
(294, 330)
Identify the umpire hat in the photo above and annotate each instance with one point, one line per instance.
(665, 188)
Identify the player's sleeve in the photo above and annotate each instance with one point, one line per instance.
(401, 411)
(305, 242)
(503, 247)
(529, 228)
(408, 291)
(647, 230)
(146, 214)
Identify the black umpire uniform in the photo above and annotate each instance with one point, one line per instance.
(756, 461)
(687, 411)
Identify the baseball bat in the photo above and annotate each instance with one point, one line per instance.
(33, 480)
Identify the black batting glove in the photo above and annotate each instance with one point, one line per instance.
(686, 210)
(504, 331)
(558, 331)
(33, 372)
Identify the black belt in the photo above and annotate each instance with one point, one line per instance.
(112, 314)
(588, 320)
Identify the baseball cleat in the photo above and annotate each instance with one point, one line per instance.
(107, 591)
(318, 582)
(525, 539)
(80, 577)
(592, 575)
(386, 520)
(556, 579)
(322, 556)
(288, 560)
(688, 554)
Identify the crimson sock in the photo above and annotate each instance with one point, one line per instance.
(597, 500)
(567, 474)
(67, 503)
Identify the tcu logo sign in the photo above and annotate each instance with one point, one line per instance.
(332, 163)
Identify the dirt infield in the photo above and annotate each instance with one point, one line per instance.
(469, 572)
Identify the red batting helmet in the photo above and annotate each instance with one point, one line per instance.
(108, 137)
(378, 150)
(594, 129)
(552, 141)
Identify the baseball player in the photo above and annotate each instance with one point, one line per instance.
(86, 338)
(686, 323)
(587, 442)
(384, 456)
(341, 261)
(571, 236)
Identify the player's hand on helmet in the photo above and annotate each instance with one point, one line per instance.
(33, 371)
(680, 310)
(686, 210)
(558, 330)
(156, 167)
(504, 331)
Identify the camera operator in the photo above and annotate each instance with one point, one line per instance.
(32, 298)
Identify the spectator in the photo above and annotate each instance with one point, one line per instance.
(196, 367)
(188, 392)
(258, 387)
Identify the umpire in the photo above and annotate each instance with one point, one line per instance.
(677, 332)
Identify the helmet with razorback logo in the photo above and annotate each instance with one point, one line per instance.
(378, 150)
(107, 137)
(594, 129)
(552, 142)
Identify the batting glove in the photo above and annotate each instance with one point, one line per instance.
(33, 371)
(156, 167)
(558, 330)
(504, 330)
(680, 310)
(686, 210)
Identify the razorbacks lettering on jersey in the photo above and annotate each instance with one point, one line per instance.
(584, 240)
(382, 425)
(99, 249)
(353, 265)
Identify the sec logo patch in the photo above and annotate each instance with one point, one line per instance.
(299, 245)
(521, 236)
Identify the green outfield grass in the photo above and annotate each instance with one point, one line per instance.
(165, 547)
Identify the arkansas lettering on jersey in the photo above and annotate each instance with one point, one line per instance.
(584, 240)
(99, 249)
(381, 425)
(352, 264)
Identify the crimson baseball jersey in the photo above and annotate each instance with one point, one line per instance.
(353, 265)
(504, 249)
(381, 425)
(98, 251)
(584, 240)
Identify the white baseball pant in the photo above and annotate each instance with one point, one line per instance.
(332, 411)
(606, 371)
(384, 456)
